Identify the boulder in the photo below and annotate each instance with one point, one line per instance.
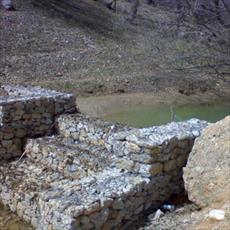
(207, 173)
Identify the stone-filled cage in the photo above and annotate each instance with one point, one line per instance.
(89, 174)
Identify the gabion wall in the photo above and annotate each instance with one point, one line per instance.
(93, 174)
(28, 112)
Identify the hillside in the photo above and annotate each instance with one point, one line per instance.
(85, 48)
(82, 47)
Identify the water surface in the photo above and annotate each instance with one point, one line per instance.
(144, 116)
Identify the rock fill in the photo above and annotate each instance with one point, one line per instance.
(94, 174)
(29, 112)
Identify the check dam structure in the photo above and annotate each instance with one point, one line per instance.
(62, 170)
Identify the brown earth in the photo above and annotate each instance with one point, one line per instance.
(84, 48)
(10, 221)
(189, 217)
(3, 92)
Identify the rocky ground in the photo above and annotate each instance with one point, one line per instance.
(84, 48)
(189, 217)
(88, 50)
(209, 160)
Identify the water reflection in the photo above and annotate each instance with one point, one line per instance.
(144, 116)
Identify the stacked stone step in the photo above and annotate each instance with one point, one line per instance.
(147, 151)
(21, 184)
(96, 174)
(75, 160)
(95, 199)
(47, 199)
(90, 130)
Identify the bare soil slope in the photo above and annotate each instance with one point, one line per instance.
(82, 47)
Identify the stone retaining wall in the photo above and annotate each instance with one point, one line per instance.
(118, 173)
(147, 151)
(29, 112)
(150, 151)
(93, 174)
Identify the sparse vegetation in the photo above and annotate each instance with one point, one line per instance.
(66, 43)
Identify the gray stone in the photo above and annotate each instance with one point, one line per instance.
(206, 174)
(28, 112)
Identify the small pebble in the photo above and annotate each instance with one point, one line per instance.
(158, 214)
(216, 214)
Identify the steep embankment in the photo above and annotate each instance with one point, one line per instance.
(82, 47)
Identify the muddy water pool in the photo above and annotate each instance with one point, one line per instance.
(144, 116)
